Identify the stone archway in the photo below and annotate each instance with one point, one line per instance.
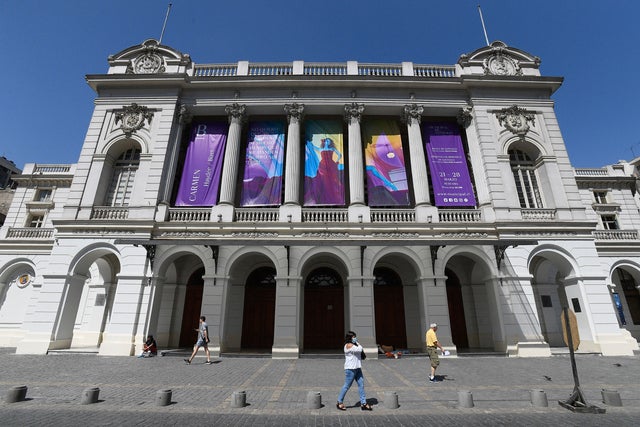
(388, 295)
(258, 318)
(323, 309)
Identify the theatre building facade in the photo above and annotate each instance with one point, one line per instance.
(290, 202)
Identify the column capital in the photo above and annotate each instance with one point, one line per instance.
(236, 111)
(465, 116)
(353, 111)
(294, 111)
(184, 115)
(412, 112)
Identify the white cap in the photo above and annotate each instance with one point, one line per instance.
(433, 325)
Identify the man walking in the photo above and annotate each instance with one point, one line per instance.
(432, 350)
(203, 341)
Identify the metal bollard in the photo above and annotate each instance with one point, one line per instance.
(90, 395)
(611, 397)
(239, 399)
(465, 399)
(539, 398)
(16, 394)
(163, 397)
(391, 400)
(314, 400)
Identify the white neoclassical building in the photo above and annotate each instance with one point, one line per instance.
(290, 202)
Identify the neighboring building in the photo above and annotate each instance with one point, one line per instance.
(291, 202)
(7, 170)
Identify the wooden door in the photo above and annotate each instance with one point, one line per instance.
(323, 310)
(259, 309)
(456, 310)
(192, 306)
(389, 308)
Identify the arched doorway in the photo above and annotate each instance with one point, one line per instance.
(389, 308)
(192, 306)
(456, 310)
(323, 310)
(626, 298)
(259, 309)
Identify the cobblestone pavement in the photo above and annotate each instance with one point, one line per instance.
(276, 391)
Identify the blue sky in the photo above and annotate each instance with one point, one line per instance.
(48, 48)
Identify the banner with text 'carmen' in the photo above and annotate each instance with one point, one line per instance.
(203, 165)
(323, 163)
(262, 179)
(448, 165)
(384, 160)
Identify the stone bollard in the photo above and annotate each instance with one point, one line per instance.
(465, 399)
(90, 395)
(539, 398)
(239, 399)
(314, 400)
(163, 397)
(611, 398)
(16, 394)
(391, 400)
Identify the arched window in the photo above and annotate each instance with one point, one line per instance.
(323, 278)
(524, 174)
(124, 173)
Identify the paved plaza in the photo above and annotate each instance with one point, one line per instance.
(277, 391)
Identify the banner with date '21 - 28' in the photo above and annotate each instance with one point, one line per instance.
(202, 168)
(448, 165)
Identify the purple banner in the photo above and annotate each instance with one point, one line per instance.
(323, 163)
(384, 161)
(262, 180)
(448, 165)
(203, 165)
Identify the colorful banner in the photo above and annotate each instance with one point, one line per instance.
(203, 165)
(323, 163)
(384, 164)
(448, 165)
(262, 180)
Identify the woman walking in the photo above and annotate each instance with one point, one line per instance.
(353, 371)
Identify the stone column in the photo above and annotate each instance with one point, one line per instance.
(291, 210)
(224, 210)
(434, 308)
(425, 212)
(358, 211)
(169, 177)
(287, 318)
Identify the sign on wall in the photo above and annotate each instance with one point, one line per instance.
(203, 165)
(448, 165)
(384, 164)
(262, 179)
(323, 163)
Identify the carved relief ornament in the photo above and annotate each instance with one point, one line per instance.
(516, 120)
(133, 117)
(294, 111)
(501, 64)
(353, 111)
(236, 111)
(465, 117)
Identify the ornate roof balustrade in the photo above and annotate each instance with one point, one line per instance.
(30, 233)
(615, 234)
(244, 68)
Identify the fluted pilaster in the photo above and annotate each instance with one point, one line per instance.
(236, 114)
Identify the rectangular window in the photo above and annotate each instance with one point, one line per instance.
(600, 197)
(36, 221)
(43, 195)
(609, 222)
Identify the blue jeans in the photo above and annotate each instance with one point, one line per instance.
(349, 376)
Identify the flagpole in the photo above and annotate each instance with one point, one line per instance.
(164, 25)
(483, 27)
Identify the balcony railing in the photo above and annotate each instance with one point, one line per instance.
(591, 172)
(109, 212)
(538, 214)
(325, 215)
(615, 234)
(51, 169)
(459, 215)
(30, 233)
(257, 215)
(393, 215)
(189, 214)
